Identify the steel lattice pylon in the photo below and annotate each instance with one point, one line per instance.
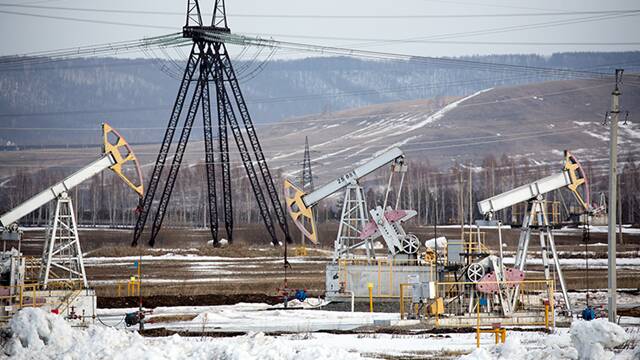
(209, 63)
(306, 179)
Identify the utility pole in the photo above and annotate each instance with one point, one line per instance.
(435, 231)
(614, 115)
(470, 203)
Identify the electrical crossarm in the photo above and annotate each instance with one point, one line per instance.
(300, 205)
(117, 153)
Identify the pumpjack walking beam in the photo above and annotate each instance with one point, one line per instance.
(213, 60)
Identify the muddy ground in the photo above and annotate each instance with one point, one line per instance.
(257, 271)
(186, 300)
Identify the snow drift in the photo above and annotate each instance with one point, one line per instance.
(586, 340)
(592, 339)
(40, 335)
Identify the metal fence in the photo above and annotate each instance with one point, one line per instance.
(530, 303)
(14, 298)
(385, 274)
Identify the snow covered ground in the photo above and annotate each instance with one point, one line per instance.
(40, 335)
(198, 269)
(626, 229)
(245, 317)
(585, 340)
(579, 263)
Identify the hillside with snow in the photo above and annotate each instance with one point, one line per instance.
(42, 98)
(532, 123)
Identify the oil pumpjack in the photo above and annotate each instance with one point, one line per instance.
(62, 282)
(572, 177)
(491, 287)
(351, 274)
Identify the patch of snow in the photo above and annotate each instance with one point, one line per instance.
(440, 113)
(34, 329)
(594, 339)
(325, 156)
(477, 354)
(365, 148)
(441, 241)
(626, 229)
(630, 132)
(466, 226)
(397, 144)
(596, 135)
(288, 154)
(512, 348)
(586, 340)
(577, 263)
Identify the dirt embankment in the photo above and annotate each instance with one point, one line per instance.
(189, 300)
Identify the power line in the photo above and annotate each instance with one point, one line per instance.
(308, 97)
(335, 50)
(500, 6)
(329, 16)
(611, 15)
(326, 148)
(311, 121)
(114, 45)
(90, 21)
(245, 40)
(34, 58)
(449, 42)
(435, 38)
(323, 147)
(465, 143)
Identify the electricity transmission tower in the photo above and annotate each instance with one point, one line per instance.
(306, 178)
(209, 63)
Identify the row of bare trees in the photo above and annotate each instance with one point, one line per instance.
(445, 196)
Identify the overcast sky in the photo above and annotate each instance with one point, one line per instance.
(23, 34)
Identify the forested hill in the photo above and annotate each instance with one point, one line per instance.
(75, 96)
